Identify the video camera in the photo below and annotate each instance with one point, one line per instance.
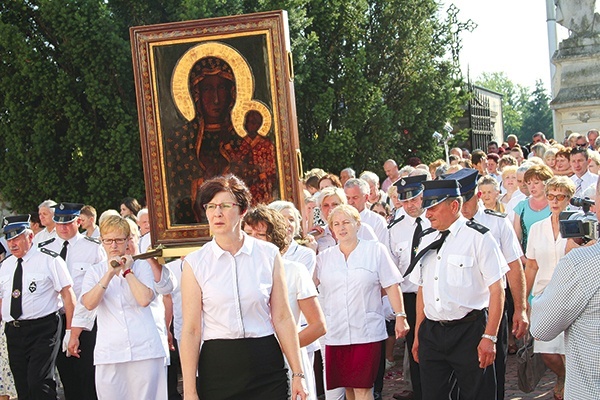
(579, 224)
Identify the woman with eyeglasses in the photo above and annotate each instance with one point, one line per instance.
(234, 301)
(129, 355)
(545, 248)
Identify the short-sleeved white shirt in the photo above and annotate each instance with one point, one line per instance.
(350, 292)
(504, 233)
(236, 289)
(401, 237)
(43, 235)
(44, 276)
(378, 223)
(456, 279)
(303, 255)
(546, 251)
(300, 286)
(176, 268)
(126, 331)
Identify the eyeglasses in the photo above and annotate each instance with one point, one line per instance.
(224, 206)
(108, 242)
(559, 197)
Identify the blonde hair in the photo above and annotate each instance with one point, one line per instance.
(112, 223)
(346, 209)
(333, 191)
(561, 183)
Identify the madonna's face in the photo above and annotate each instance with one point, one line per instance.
(215, 97)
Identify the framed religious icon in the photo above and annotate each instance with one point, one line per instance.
(215, 97)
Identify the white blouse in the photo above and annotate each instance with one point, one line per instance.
(350, 292)
(236, 289)
(546, 251)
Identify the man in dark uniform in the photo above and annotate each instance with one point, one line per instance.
(459, 301)
(77, 373)
(506, 237)
(30, 282)
(405, 234)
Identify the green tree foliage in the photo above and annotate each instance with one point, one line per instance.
(524, 111)
(372, 82)
(537, 116)
(375, 78)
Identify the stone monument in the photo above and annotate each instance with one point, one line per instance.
(576, 83)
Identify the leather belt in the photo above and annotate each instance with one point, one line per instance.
(30, 322)
(470, 317)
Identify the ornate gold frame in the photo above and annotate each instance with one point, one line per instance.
(257, 48)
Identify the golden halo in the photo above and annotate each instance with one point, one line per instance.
(244, 85)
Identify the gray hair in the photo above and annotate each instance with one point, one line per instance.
(350, 172)
(370, 178)
(333, 191)
(49, 204)
(362, 184)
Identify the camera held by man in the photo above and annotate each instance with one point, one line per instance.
(579, 224)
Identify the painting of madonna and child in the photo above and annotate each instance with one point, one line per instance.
(215, 97)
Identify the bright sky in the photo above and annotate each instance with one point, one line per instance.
(511, 37)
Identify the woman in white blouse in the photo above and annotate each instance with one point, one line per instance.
(266, 224)
(350, 277)
(129, 355)
(234, 301)
(545, 248)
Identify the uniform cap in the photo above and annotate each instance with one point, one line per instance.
(439, 190)
(66, 212)
(15, 225)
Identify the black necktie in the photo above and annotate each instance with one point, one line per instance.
(435, 245)
(63, 252)
(16, 308)
(416, 239)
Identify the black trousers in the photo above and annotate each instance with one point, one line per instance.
(452, 350)
(410, 307)
(78, 375)
(32, 349)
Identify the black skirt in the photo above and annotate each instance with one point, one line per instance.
(249, 369)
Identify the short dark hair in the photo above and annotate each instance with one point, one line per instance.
(275, 222)
(494, 156)
(477, 156)
(493, 143)
(580, 150)
(229, 183)
(131, 204)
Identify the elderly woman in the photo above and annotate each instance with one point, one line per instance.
(267, 224)
(489, 193)
(375, 194)
(509, 183)
(535, 207)
(545, 248)
(234, 301)
(350, 277)
(129, 355)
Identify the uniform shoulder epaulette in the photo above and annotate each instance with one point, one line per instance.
(495, 213)
(91, 239)
(394, 222)
(49, 252)
(427, 231)
(478, 227)
(45, 242)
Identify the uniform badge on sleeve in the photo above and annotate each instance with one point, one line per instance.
(32, 287)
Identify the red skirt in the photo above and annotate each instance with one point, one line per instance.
(353, 365)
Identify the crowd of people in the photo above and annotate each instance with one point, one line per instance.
(455, 256)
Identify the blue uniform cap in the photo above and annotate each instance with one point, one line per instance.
(15, 225)
(66, 212)
(410, 187)
(439, 190)
(467, 177)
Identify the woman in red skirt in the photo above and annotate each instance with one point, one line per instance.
(350, 277)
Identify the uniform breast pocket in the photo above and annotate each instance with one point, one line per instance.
(78, 270)
(5, 285)
(35, 283)
(460, 270)
(402, 249)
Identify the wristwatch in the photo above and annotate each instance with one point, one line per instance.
(492, 338)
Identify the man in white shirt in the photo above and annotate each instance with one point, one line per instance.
(46, 213)
(582, 178)
(357, 192)
(460, 298)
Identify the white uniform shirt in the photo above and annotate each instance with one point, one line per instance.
(96, 233)
(456, 280)
(546, 251)
(43, 235)
(82, 253)
(401, 237)
(365, 232)
(300, 286)
(236, 289)
(44, 276)
(350, 292)
(145, 243)
(126, 331)
(503, 231)
(378, 223)
(303, 255)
